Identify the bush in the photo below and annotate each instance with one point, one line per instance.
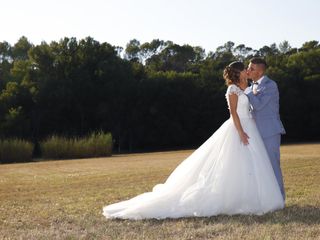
(15, 150)
(95, 145)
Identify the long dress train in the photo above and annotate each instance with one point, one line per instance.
(222, 176)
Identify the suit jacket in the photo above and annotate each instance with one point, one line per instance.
(265, 108)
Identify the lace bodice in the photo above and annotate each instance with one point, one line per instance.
(243, 106)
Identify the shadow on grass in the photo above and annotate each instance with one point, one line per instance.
(309, 215)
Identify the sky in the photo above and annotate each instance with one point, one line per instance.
(205, 23)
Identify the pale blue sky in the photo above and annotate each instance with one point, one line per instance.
(204, 23)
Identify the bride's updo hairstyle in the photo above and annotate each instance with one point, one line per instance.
(231, 73)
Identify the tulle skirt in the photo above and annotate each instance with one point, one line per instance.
(222, 176)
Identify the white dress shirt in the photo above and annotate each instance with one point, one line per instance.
(255, 86)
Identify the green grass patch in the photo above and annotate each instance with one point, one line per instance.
(95, 145)
(15, 150)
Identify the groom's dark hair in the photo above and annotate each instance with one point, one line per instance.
(260, 61)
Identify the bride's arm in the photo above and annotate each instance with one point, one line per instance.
(259, 101)
(233, 100)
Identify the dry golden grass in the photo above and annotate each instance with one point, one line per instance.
(64, 200)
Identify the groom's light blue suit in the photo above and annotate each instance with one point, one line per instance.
(265, 111)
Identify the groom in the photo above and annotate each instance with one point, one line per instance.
(263, 95)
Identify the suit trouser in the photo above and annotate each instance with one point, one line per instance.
(273, 148)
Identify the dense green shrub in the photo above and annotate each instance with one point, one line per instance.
(15, 150)
(95, 145)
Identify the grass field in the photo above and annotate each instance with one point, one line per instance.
(64, 200)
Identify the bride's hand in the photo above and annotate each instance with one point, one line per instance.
(244, 138)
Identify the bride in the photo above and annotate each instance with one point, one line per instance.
(230, 173)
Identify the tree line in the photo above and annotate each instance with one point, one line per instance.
(150, 96)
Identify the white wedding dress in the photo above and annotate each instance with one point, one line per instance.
(223, 176)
